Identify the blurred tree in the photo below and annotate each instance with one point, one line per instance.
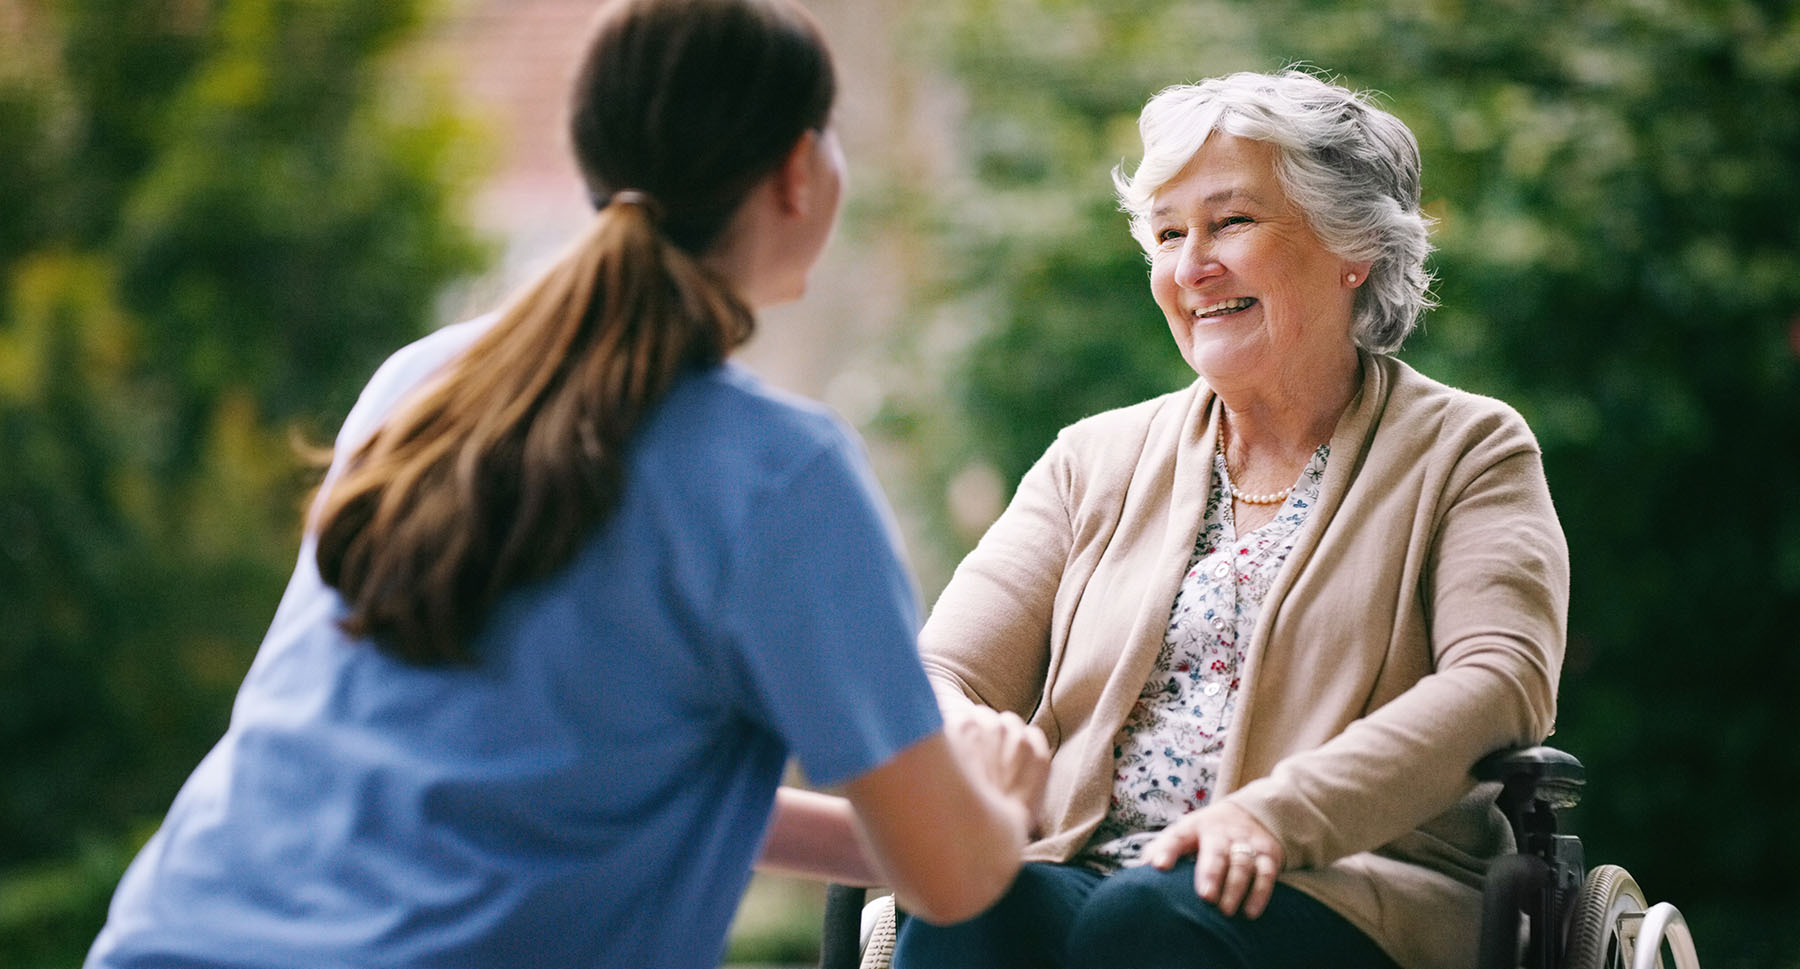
(216, 216)
(1618, 185)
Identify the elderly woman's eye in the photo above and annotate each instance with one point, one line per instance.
(1232, 220)
(1167, 235)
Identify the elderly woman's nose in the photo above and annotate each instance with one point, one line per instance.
(1197, 263)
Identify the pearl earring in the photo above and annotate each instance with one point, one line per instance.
(1351, 279)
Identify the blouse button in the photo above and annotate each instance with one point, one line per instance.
(1218, 625)
(1212, 689)
(1221, 570)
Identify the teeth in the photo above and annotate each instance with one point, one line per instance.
(1225, 306)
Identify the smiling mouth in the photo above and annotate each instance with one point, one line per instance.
(1224, 308)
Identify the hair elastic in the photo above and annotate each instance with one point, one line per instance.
(641, 199)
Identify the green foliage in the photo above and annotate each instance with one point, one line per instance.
(1619, 258)
(50, 911)
(215, 218)
(777, 923)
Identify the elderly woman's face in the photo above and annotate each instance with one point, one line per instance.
(1249, 292)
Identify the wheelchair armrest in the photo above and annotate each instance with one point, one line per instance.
(1541, 773)
(841, 941)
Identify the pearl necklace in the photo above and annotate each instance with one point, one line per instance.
(1272, 498)
(1231, 492)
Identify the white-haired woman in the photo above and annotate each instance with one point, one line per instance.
(1271, 621)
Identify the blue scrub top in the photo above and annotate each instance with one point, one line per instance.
(594, 791)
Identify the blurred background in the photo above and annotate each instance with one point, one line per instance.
(217, 216)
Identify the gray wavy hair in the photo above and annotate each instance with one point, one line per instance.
(1350, 167)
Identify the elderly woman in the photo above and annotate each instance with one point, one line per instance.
(1269, 622)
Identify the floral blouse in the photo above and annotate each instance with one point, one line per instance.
(1166, 757)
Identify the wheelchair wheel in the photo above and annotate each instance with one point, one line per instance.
(880, 932)
(1607, 894)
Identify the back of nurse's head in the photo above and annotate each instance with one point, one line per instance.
(492, 473)
(689, 103)
(1351, 168)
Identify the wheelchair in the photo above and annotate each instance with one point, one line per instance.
(1542, 908)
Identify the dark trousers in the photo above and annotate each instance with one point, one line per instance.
(1067, 917)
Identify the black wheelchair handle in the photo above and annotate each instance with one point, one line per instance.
(1537, 763)
(1529, 774)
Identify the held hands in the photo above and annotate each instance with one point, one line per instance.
(946, 820)
(1001, 749)
(1236, 859)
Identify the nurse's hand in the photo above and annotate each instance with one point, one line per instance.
(1236, 859)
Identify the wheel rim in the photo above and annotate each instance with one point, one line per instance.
(1607, 893)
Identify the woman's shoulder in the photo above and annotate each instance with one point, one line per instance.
(1444, 413)
(1097, 457)
(724, 422)
(405, 369)
(1128, 427)
(729, 401)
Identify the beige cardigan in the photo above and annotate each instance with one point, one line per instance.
(1417, 625)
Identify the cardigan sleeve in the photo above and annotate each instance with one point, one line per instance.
(988, 637)
(1493, 594)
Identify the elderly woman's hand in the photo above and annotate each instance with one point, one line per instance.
(1236, 859)
(1009, 754)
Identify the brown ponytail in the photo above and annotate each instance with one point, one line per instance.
(494, 472)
